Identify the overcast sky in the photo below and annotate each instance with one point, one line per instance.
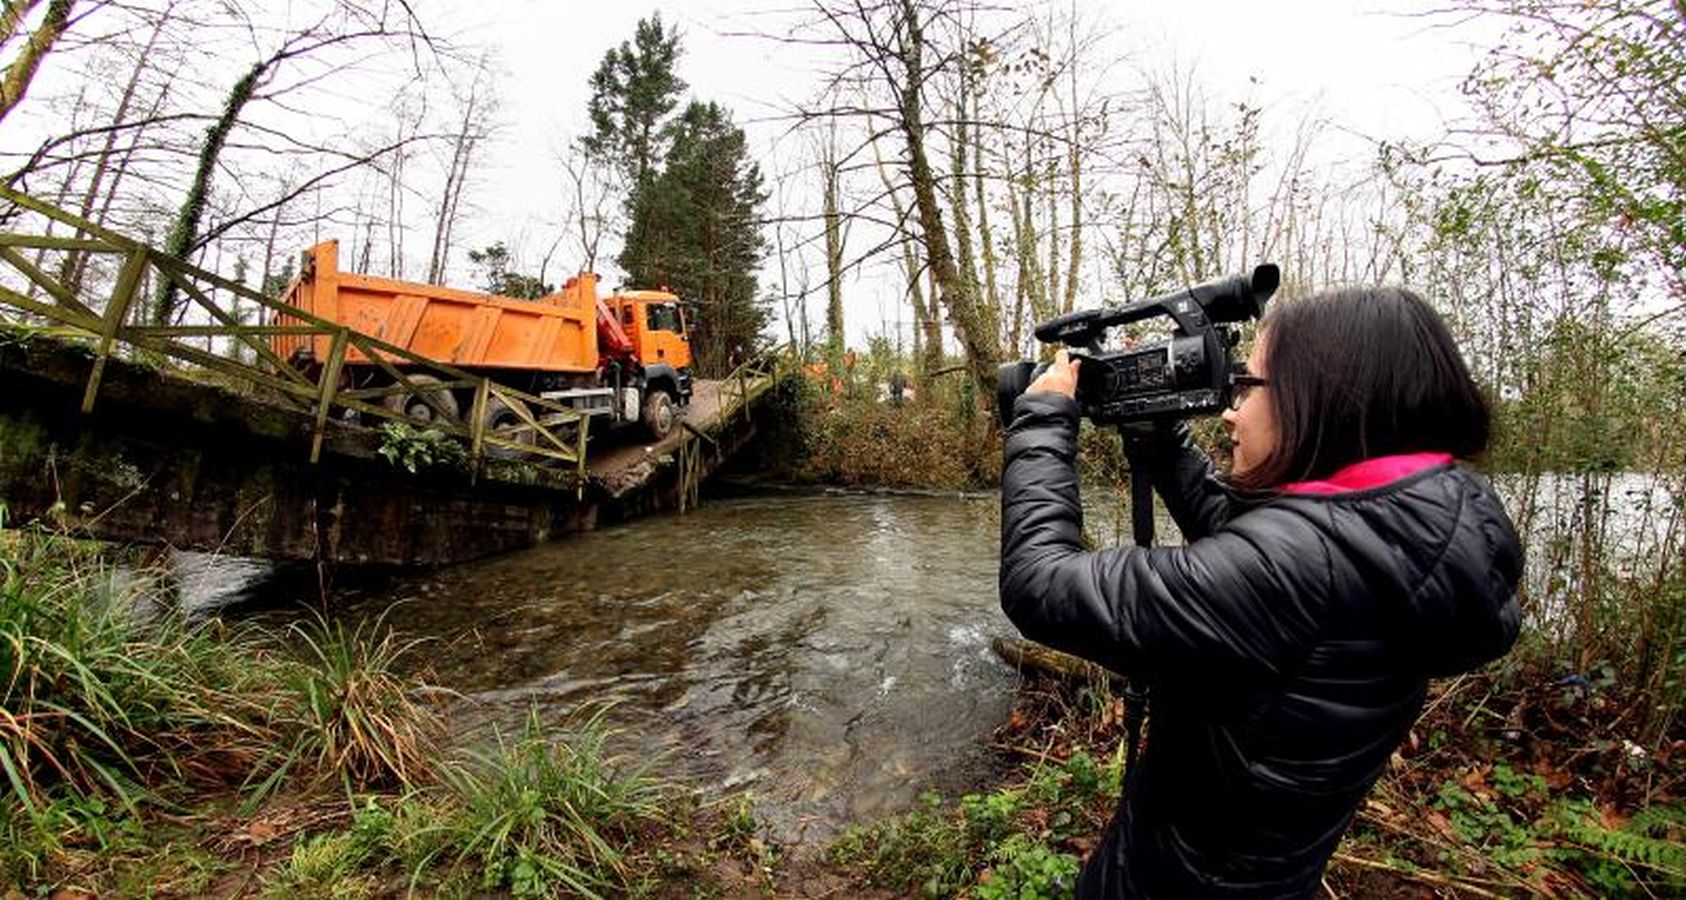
(1372, 74)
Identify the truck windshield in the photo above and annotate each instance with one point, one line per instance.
(665, 317)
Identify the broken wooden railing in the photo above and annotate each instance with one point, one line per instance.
(738, 391)
(57, 297)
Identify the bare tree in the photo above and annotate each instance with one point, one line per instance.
(831, 217)
(346, 25)
(892, 58)
(476, 108)
(111, 160)
(590, 202)
(15, 79)
(927, 331)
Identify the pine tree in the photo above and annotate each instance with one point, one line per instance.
(501, 281)
(633, 92)
(699, 234)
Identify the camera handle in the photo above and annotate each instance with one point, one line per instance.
(1136, 693)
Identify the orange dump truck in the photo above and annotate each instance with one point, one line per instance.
(620, 358)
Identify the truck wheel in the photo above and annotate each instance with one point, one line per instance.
(504, 420)
(411, 405)
(659, 415)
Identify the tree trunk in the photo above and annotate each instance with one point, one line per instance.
(186, 229)
(395, 210)
(958, 203)
(1024, 248)
(71, 173)
(927, 330)
(1023, 654)
(784, 286)
(15, 81)
(972, 324)
(1074, 253)
(1033, 286)
(455, 179)
(986, 237)
(11, 16)
(75, 262)
(1052, 271)
(834, 334)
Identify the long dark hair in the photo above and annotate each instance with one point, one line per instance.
(1362, 372)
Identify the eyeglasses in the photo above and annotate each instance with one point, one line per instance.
(1241, 386)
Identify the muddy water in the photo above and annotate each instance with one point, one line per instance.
(828, 654)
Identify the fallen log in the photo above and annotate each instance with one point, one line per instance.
(1023, 654)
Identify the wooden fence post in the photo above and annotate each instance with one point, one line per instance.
(115, 311)
(329, 387)
(477, 422)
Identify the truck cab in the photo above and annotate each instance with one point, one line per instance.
(655, 323)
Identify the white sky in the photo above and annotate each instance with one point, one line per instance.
(1372, 74)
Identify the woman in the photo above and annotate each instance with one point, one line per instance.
(1346, 559)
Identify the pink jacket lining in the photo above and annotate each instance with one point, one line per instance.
(1370, 473)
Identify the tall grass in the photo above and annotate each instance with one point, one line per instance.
(350, 715)
(103, 691)
(114, 706)
(539, 816)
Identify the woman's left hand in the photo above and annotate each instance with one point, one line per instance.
(1061, 377)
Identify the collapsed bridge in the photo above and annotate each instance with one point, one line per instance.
(198, 436)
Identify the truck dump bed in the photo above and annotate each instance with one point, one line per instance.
(557, 333)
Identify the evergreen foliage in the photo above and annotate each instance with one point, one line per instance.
(633, 91)
(499, 280)
(695, 231)
(276, 283)
(693, 194)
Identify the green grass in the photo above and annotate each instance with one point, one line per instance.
(1017, 841)
(129, 738)
(538, 815)
(115, 710)
(343, 864)
(103, 692)
(350, 714)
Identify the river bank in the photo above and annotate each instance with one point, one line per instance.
(146, 756)
(1560, 771)
(1501, 790)
(306, 755)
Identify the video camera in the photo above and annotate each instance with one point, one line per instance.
(1188, 374)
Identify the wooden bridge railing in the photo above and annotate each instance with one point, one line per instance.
(117, 321)
(737, 392)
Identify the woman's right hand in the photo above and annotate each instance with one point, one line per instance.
(1060, 378)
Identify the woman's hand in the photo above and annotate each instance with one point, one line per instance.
(1061, 377)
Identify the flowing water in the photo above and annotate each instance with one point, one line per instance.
(829, 654)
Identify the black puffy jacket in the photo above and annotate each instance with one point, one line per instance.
(1288, 646)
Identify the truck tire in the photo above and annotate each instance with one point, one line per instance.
(504, 419)
(410, 404)
(659, 414)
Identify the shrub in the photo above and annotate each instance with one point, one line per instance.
(102, 688)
